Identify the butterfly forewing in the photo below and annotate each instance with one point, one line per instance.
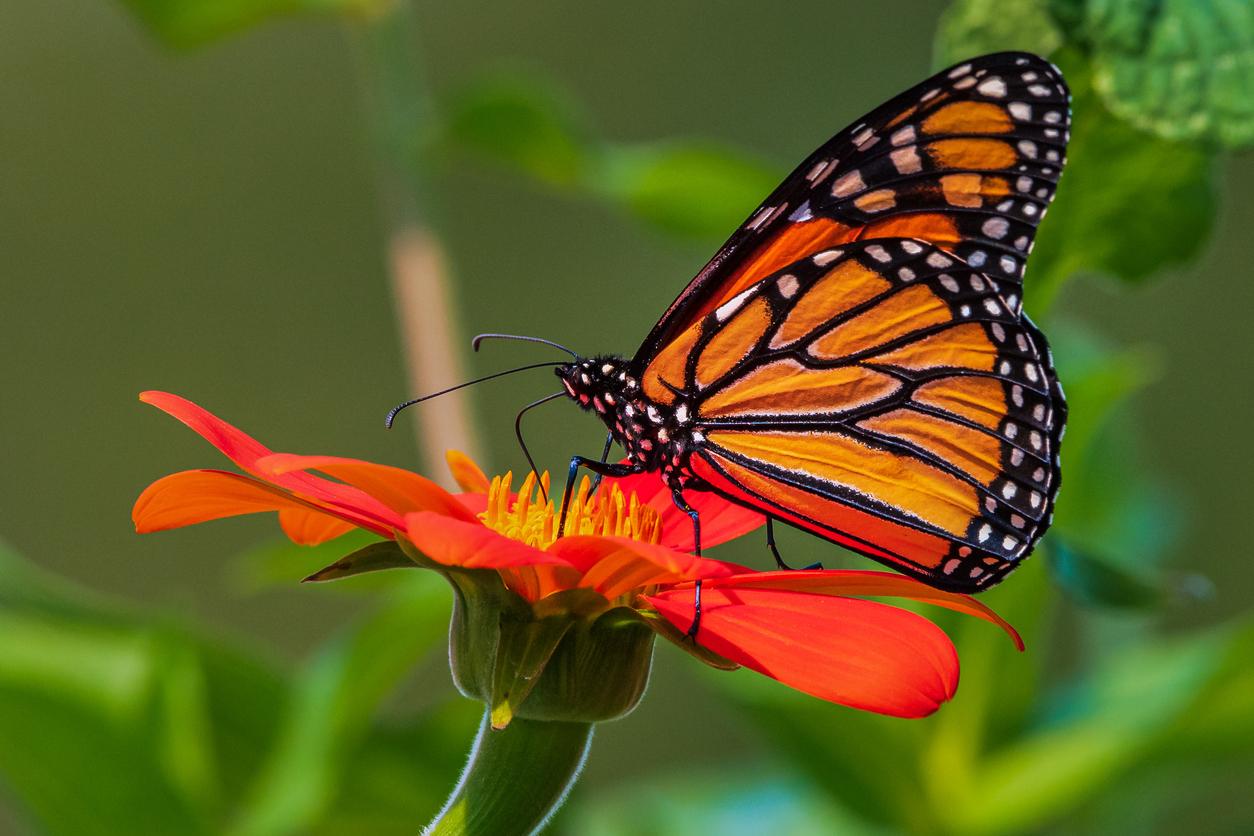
(883, 395)
(968, 161)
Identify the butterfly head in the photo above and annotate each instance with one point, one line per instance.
(599, 384)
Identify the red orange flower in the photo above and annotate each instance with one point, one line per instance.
(625, 548)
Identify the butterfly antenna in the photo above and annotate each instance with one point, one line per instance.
(475, 343)
(523, 444)
(387, 422)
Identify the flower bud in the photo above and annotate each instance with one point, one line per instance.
(570, 657)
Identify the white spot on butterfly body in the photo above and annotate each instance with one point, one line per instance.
(681, 414)
(986, 531)
(1039, 90)
(977, 258)
(1020, 111)
(964, 83)
(912, 247)
(949, 283)
(977, 283)
(1009, 543)
(1016, 457)
(1028, 148)
(821, 169)
(826, 257)
(607, 369)
(1029, 369)
(960, 71)
(724, 311)
(1007, 264)
(906, 160)
(1018, 521)
(1034, 499)
(864, 139)
(1016, 394)
(930, 94)
(848, 184)
(1024, 184)
(939, 260)
(1053, 117)
(1009, 490)
(996, 228)
(787, 285)
(906, 274)
(999, 333)
(992, 86)
(879, 253)
(801, 213)
(904, 136)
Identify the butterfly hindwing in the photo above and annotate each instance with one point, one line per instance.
(968, 161)
(882, 395)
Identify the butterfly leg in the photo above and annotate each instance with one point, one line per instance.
(600, 469)
(605, 454)
(682, 504)
(770, 543)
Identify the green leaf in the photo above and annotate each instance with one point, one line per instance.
(185, 23)
(139, 725)
(731, 803)
(1101, 731)
(1183, 69)
(977, 27)
(372, 558)
(282, 563)
(1092, 580)
(865, 762)
(693, 189)
(1129, 204)
(525, 122)
(690, 189)
(335, 699)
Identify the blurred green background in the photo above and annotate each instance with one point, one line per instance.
(200, 203)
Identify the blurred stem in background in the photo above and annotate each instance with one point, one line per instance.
(399, 113)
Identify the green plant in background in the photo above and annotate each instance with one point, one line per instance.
(113, 720)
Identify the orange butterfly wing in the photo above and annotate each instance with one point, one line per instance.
(884, 396)
(968, 160)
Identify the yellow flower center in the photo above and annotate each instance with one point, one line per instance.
(532, 519)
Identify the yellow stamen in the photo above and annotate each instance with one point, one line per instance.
(533, 520)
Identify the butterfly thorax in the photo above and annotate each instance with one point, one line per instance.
(655, 436)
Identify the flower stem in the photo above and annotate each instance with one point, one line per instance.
(516, 778)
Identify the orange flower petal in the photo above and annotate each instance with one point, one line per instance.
(400, 490)
(310, 528)
(468, 476)
(614, 566)
(721, 520)
(247, 453)
(839, 582)
(472, 545)
(862, 654)
(196, 496)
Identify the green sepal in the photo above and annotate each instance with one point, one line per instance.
(570, 658)
(372, 558)
(685, 643)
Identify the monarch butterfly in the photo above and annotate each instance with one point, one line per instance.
(854, 361)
